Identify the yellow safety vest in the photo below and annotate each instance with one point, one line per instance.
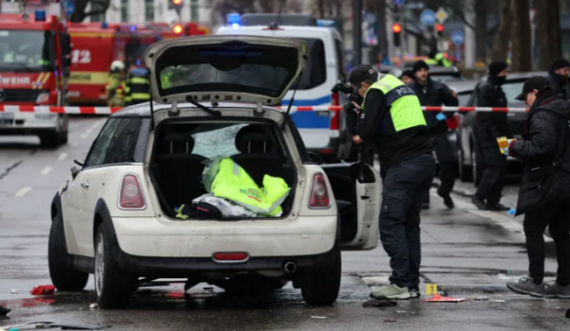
(405, 109)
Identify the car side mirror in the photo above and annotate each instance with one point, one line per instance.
(74, 172)
(315, 158)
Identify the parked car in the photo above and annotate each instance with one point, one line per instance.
(465, 137)
(115, 217)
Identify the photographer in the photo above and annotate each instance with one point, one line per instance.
(391, 118)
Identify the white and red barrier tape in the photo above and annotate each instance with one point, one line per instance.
(108, 110)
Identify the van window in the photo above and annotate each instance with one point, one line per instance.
(315, 72)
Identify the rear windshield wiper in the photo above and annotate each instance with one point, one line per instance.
(204, 108)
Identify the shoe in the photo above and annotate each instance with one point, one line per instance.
(391, 292)
(498, 207)
(4, 311)
(479, 203)
(526, 285)
(425, 205)
(415, 292)
(554, 290)
(447, 201)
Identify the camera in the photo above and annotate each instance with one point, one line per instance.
(350, 93)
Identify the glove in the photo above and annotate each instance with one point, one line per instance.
(441, 117)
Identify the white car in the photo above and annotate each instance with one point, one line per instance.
(115, 216)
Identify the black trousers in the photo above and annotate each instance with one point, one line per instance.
(557, 218)
(404, 185)
(492, 167)
(446, 162)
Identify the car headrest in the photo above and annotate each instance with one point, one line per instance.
(252, 139)
(177, 143)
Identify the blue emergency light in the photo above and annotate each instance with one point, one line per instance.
(104, 25)
(326, 23)
(234, 20)
(133, 28)
(40, 16)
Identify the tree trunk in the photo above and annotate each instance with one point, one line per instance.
(521, 37)
(503, 38)
(481, 36)
(548, 38)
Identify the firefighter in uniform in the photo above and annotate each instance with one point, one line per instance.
(137, 86)
(116, 85)
(438, 59)
(392, 118)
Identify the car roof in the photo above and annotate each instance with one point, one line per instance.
(291, 28)
(517, 76)
(143, 109)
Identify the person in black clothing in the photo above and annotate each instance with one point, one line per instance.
(392, 119)
(558, 76)
(365, 150)
(431, 93)
(545, 188)
(488, 127)
(407, 76)
(4, 311)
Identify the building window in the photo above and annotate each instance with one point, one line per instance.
(194, 10)
(149, 10)
(124, 10)
(97, 6)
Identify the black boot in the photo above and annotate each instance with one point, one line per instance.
(4, 311)
(479, 203)
(497, 207)
(447, 201)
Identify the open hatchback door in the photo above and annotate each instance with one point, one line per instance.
(248, 69)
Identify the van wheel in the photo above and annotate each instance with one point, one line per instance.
(321, 287)
(63, 276)
(112, 285)
(63, 138)
(50, 139)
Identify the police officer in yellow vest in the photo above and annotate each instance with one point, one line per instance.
(137, 86)
(391, 117)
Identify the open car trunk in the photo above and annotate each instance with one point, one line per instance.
(183, 148)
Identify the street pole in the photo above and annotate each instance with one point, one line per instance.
(357, 30)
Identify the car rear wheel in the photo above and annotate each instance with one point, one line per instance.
(112, 285)
(63, 276)
(50, 139)
(322, 286)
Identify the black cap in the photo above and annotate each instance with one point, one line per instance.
(496, 67)
(407, 73)
(420, 65)
(533, 83)
(559, 64)
(361, 73)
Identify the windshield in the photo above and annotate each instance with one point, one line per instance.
(25, 49)
(463, 98)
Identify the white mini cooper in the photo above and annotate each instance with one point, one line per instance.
(115, 217)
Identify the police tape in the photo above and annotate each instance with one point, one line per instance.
(111, 110)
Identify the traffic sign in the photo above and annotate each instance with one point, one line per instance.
(457, 37)
(427, 17)
(68, 7)
(399, 2)
(441, 15)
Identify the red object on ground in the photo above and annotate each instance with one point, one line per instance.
(439, 298)
(43, 290)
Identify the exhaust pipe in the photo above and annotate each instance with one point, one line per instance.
(290, 267)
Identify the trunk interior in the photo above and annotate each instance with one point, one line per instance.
(182, 150)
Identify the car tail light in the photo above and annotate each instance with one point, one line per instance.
(131, 195)
(319, 193)
(335, 99)
(230, 257)
(453, 122)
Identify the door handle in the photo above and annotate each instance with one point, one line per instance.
(84, 185)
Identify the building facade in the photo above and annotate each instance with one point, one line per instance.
(144, 11)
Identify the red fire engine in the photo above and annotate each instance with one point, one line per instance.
(34, 64)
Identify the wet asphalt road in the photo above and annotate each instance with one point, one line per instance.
(468, 253)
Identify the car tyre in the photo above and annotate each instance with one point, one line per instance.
(63, 138)
(63, 276)
(112, 285)
(322, 286)
(50, 139)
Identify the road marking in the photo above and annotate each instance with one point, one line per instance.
(23, 191)
(46, 171)
(62, 156)
(83, 136)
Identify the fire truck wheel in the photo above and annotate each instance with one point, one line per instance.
(63, 138)
(50, 139)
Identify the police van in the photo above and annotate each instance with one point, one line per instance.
(323, 132)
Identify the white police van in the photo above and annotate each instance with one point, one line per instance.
(323, 132)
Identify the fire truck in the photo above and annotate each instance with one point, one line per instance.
(34, 64)
(96, 45)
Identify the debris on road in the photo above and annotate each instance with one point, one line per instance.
(43, 290)
(439, 298)
(498, 301)
(379, 303)
(512, 211)
(14, 291)
(389, 321)
(93, 306)
(481, 299)
(319, 317)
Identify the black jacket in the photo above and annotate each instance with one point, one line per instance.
(434, 94)
(545, 152)
(375, 125)
(490, 94)
(558, 83)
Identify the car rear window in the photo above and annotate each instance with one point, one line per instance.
(315, 72)
(116, 143)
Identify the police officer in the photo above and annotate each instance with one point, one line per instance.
(545, 188)
(438, 59)
(558, 76)
(137, 86)
(407, 77)
(488, 127)
(391, 118)
(432, 93)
